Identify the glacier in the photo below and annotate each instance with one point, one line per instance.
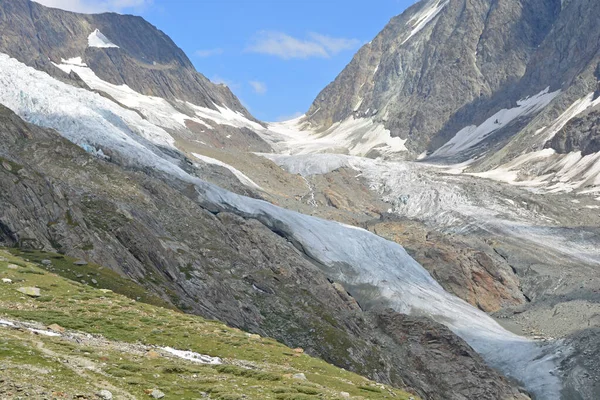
(353, 256)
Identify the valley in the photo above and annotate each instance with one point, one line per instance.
(442, 241)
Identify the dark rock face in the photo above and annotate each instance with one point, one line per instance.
(219, 265)
(580, 134)
(582, 367)
(147, 60)
(427, 343)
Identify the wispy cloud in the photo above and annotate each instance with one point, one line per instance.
(95, 6)
(209, 52)
(289, 117)
(287, 47)
(258, 87)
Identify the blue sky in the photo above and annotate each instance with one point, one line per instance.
(275, 55)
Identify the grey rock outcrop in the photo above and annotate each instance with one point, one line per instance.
(580, 134)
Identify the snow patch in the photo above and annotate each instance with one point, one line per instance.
(238, 174)
(576, 108)
(97, 39)
(75, 61)
(473, 135)
(44, 333)
(194, 357)
(157, 110)
(510, 172)
(7, 323)
(425, 16)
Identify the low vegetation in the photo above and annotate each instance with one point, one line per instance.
(114, 332)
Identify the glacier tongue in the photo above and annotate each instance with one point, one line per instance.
(355, 257)
(359, 259)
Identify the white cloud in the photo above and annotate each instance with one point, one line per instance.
(95, 6)
(290, 117)
(258, 87)
(287, 47)
(209, 52)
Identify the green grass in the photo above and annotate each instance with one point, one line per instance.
(107, 279)
(257, 368)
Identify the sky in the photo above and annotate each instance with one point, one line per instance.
(275, 55)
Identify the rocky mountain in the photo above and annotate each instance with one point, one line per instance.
(120, 49)
(116, 152)
(461, 80)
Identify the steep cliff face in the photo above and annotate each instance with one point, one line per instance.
(130, 51)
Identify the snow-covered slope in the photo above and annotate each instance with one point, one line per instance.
(97, 39)
(546, 169)
(418, 21)
(156, 109)
(473, 135)
(353, 136)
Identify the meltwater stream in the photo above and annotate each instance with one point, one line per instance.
(357, 257)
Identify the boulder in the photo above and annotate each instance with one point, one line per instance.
(157, 394)
(30, 291)
(56, 328)
(105, 395)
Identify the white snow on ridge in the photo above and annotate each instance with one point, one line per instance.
(225, 116)
(156, 109)
(473, 135)
(238, 174)
(97, 39)
(425, 16)
(548, 170)
(83, 117)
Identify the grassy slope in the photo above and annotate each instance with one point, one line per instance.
(121, 363)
